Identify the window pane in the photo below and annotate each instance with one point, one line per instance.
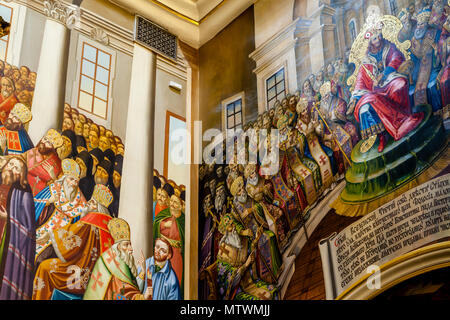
(280, 75)
(230, 122)
(102, 75)
(101, 91)
(85, 101)
(271, 103)
(238, 107)
(2, 50)
(88, 69)
(280, 87)
(5, 12)
(104, 59)
(281, 96)
(271, 94)
(87, 84)
(238, 118)
(230, 109)
(100, 108)
(270, 82)
(90, 53)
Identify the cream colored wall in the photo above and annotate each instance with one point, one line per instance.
(270, 17)
(167, 99)
(110, 11)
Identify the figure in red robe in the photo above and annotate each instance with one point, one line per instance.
(381, 93)
(43, 162)
(7, 98)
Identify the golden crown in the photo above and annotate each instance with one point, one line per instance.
(119, 230)
(22, 112)
(302, 105)
(55, 138)
(70, 168)
(237, 185)
(102, 195)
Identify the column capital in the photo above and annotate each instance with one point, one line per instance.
(66, 14)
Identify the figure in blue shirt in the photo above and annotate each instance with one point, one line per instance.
(158, 273)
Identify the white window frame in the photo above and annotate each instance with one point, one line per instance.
(226, 102)
(16, 32)
(76, 85)
(270, 75)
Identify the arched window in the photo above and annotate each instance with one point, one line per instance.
(394, 7)
(352, 29)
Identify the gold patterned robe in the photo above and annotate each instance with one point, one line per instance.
(78, 247)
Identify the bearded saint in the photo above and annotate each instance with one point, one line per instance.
(309, 94)
(7, 98)
(68, 202)
(261, 193)
(43, 162)
(335, 124)
(169, 225)
(424, 87)
(315, 150)
(17, 236)
(156, 273)
(163, 195)
(381, 93)
(236, 264)
(269, 262)
(77, 247)
(13, 136)
(114, 274)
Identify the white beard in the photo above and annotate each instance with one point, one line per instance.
(70, 192)
(242, 198)
(232, 238)
(220, 201)
(125, 257)
(253, 181)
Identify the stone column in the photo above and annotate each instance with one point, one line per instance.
(136, 195)
(340, 32)
(302, 53)
(191, 246)
(321, 33)
(49, 93)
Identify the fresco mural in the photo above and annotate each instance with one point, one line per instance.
(371, 121)
(360, 158)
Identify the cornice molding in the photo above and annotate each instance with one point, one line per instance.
(62, 12)
(119, 38)
(269, 46)
(267, 63)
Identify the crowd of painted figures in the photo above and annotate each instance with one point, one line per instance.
(60, 237)
(17, 86)
(247, 218)
(169, 221)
